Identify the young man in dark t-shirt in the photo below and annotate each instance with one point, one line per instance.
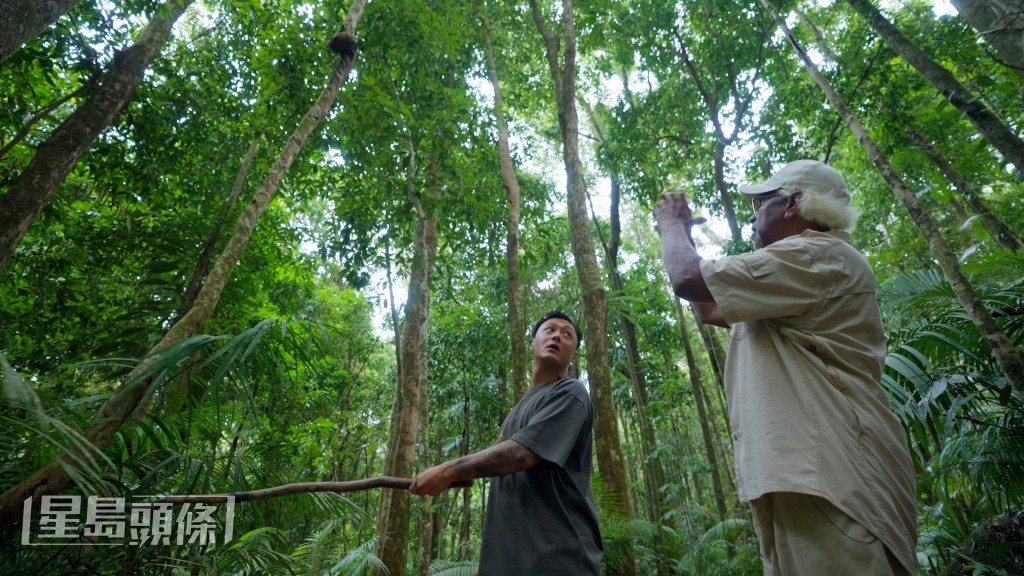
(541, 518)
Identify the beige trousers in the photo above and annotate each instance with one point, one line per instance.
(803, 535)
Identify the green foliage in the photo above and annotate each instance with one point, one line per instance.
(966, 425)
(448, 568)
(293, 377)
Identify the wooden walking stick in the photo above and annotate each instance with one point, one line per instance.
(303, 488)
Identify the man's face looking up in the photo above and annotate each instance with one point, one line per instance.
(555, 342)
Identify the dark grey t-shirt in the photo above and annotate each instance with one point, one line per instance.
(543, 520)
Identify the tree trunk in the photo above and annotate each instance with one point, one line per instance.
(595, 305)
(54, 159)
(654, 473)
(716, 354)
(724, 81)
(467, 494)
(516, 315)
(718, 158)
(716, 357)
(53, 478)
(425, 534)
(990, 126)
(1001, 24)
(697, 380)
(188, 298)
(24, 19)
(392, 528)
(1007, 356)
(999, 231)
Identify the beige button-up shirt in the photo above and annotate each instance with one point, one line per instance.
(803, 381)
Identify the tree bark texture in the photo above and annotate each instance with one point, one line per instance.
(1007, 356)
(393, 525)
(1001, 24)
(654, 472)
(595, 306)
(57, 156)
(425, 523)
(23, 20)
(516, 315)
(53, 478)
(466, 514)
(990, 126)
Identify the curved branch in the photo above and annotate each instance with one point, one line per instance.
(304, 488)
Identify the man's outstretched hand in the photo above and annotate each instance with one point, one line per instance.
(673, 207)
(433, 481)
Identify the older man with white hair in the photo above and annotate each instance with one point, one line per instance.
(819, 454)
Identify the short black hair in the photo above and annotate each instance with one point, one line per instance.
(562, 316)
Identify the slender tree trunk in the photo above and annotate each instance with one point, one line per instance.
(188, 298)
(183, 394)
(467, 494)
(1001, 24)
(395, 320)
(988, 124)
(819, 38)
(23, 20)
(595, 305)
(728, 208)
(1007, 356)
(654, 472)
(716, 355)
(54, 159)
(516, 316)
(53, 478)
(425, 506)
(716, 397)
(703, 414)
(999, 231)
(392, 528)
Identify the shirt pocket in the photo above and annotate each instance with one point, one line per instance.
(759, 264)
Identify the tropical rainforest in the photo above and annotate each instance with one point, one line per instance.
(252, 243)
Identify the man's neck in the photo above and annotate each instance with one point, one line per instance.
(543, 377)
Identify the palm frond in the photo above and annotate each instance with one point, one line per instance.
(256, 552)
(712, 549)
(358, 561)
(313, 555)
(452, 568)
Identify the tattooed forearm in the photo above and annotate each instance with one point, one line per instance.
(503, 458)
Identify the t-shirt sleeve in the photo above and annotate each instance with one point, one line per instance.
(775, 282)
(555, 427)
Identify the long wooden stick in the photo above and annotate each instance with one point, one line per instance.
(303, 488)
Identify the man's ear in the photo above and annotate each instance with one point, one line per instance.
(574, 356)
(791, 208)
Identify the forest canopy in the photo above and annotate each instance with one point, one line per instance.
(251, 243)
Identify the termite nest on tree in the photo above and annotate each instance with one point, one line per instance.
(343, 44)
